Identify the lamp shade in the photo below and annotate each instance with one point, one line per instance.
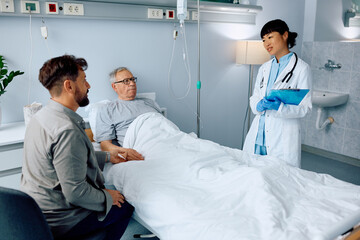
(251, 52)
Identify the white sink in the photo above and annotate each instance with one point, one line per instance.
(329, 99)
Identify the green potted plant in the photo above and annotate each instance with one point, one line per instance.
(6, 77)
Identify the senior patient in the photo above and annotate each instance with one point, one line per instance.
(61, 170)
(113, 120)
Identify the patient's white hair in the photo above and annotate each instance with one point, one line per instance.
(115, 71)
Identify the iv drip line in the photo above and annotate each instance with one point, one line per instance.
(44, 33)
(185, 60)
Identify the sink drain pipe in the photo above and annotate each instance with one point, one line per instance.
(328, 121)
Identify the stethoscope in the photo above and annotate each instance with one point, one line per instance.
(287, 76)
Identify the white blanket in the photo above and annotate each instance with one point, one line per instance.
(194, 189)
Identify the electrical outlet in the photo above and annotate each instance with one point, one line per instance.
(155, 13)
(7, 6)
(51, 8)
(194, 16)
(170, 14)
(74, 9)
(30, 6)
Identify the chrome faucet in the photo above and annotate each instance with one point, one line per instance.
(330, 66)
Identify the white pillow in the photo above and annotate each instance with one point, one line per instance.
(92, 110)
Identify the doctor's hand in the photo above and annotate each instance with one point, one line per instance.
(116, 196)
(265, 104)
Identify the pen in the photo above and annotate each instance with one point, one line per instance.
(121, 156)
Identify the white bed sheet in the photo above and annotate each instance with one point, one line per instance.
(194, 189)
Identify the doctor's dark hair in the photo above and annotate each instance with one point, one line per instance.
(281, 27)
(56, 70)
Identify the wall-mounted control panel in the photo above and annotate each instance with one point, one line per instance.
(33, 7)
(93, 9)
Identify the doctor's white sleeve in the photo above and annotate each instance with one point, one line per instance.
(256, 97)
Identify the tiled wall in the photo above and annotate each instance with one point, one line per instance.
(343, 136)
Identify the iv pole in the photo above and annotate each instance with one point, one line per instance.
(181, 13)
(198, 85)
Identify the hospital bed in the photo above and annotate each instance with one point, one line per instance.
(190, 188)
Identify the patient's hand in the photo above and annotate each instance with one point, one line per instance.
(127, 153)
(119, 154)
(132, 154)
(117, 197)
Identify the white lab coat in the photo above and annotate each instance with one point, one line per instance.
(282, 127)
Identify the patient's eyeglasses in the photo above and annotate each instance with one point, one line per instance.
(127, 81)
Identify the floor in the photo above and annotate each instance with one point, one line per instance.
(135, 228)
(309, 161)
(339, 170)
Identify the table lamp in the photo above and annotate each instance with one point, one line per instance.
(250, 52)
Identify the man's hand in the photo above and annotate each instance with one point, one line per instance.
(119, 154)
(117, 197)
(132, 154)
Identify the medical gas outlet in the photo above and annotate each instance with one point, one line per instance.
(30, 7)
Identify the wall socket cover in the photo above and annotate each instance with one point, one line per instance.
(7, 6)
(155, 13)
(76, 9)
(52, 8)
(170, 14)
(194, 15)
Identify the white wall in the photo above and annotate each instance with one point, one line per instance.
(329, 24)
(309, 20)
(145, 47)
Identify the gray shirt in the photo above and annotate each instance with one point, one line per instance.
(61, 170)
(114, 118)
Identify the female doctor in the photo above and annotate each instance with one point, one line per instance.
(275, 130)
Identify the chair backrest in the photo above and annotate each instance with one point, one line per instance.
(21, 217)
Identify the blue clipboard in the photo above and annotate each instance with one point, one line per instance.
(288, 96)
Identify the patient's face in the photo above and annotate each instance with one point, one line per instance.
(125, 92)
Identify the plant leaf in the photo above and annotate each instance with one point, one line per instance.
(17, 73)
(3, 72)
(7, 80)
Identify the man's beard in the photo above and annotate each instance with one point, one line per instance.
(83, 101)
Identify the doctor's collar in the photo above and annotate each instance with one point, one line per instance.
(284, 58)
